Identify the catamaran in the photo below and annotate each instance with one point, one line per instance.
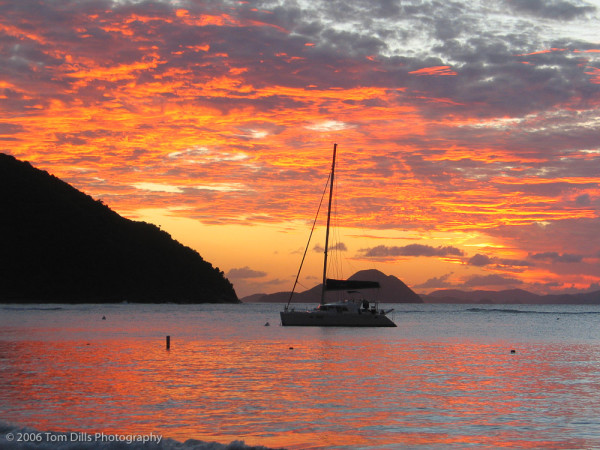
(345, 313)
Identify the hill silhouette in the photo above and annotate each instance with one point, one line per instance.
(58, 244)
(510, 296)
(392, 290)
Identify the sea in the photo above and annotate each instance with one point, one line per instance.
(449, 376)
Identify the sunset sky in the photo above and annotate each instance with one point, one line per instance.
(468, 132)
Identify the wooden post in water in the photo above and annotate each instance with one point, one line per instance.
(168, 342)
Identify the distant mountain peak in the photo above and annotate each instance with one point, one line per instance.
(370, 275)
(392, 290)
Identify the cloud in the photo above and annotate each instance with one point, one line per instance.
(434, 71)
(477, 117)
(480, 260)
(583, 200)
(550, 9)
(11, 128)
(436, 282)
(245, 272)
(382, 251)
(569, 236)
(156, 187)
(491, 280)
(329, 125)
(557, 258)
(340, 246)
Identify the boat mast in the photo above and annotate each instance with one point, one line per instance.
(327, 229)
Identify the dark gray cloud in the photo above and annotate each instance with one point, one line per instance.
(491, 280)
(583, 200)
(11, 128)
(382, 251)
(480, 260)
(436, 282)
(491, 76)
(245, 272)
(551, 9)
(558, 258)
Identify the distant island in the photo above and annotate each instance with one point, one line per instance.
(58, 244)
(510, 296)
(393, 290)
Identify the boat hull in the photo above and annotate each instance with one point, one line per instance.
(328, 319)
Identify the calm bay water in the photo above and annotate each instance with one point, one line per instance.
(445, 377)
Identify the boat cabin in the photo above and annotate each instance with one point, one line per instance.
(354, 306)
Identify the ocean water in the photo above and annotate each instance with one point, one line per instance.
(450, 376)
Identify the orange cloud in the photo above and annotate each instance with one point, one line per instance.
(434, 71)
(227, 117)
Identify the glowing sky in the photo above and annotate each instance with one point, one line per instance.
(468, 131)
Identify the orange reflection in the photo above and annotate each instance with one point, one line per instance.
(319, 394)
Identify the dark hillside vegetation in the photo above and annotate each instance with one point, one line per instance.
(58, 244)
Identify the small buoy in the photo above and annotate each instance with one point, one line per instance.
(513, 351)
(267, 324)
(103, 317)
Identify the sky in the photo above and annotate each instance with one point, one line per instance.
(468, 132)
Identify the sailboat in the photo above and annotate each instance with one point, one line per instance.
(345, 313)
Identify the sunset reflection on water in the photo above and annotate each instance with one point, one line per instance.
(329, 389)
